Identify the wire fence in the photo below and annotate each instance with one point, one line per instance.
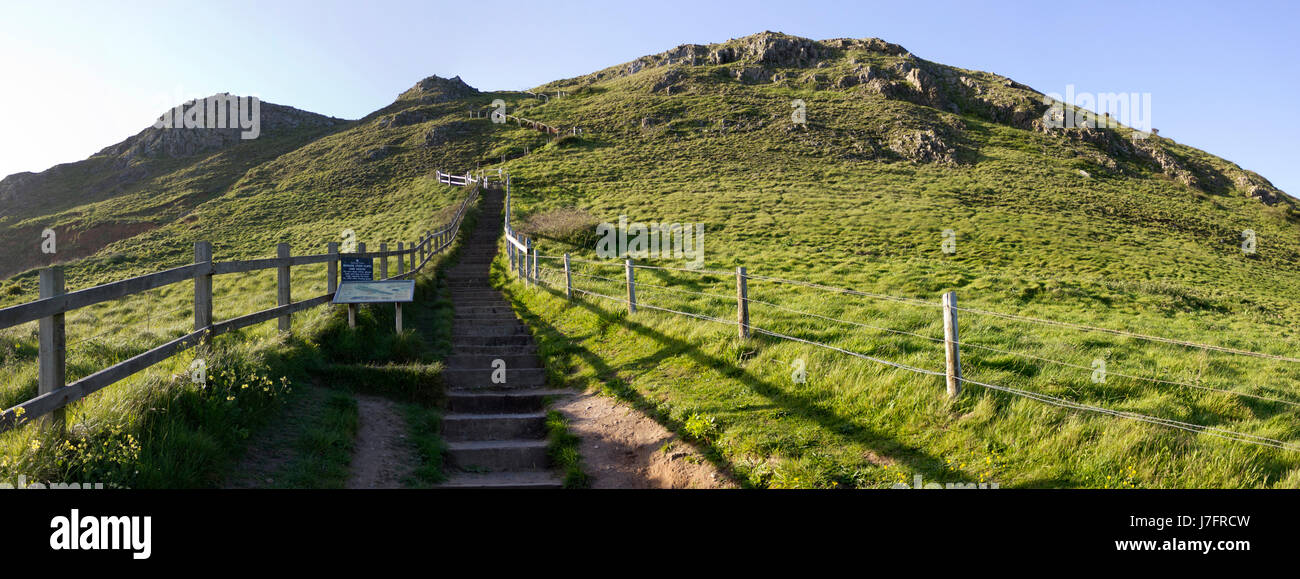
(695, 296)
(589, 282)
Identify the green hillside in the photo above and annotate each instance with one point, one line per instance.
(1148, 241)
(1088, 226)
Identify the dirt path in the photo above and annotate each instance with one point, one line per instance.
(383, 456)
(622, 448)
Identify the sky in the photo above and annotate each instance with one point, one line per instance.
(80, 76)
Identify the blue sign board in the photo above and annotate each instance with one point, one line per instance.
(357, 269)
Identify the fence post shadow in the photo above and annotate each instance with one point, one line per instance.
(804, 406)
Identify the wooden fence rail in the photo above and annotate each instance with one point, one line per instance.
(54, 394)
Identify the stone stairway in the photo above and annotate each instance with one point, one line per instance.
(495, 433)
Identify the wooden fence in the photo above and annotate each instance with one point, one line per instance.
(456, 180)
(519, 248)
(54, 393)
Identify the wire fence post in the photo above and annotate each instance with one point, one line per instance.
(282, 285)
(631, 286)
(568, 278)
(53, 343)
(383, 261)
(742, 302)
(203, 287)
(952, 352)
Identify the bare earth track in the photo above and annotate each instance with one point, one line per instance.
(623, 448)
(383, 456)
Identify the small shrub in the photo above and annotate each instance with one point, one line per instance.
(567, 225)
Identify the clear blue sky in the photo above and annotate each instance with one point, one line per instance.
(81, 76)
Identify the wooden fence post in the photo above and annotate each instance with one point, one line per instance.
(532, 268)
(332, 268)
(414, 251)
(352, 308)
(282, 285)
(568, 278)
(401, 259)
(510, 248)
(53, 343)
(519, 258)
(383, 261)
(529, 256)
(952, 351)
(631, 286)
(202, 287)
(742, 302)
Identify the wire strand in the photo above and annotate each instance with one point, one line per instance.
(1124, 333)
(1121, 375)
(906, 300)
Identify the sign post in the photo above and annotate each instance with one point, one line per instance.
(355, 269)
(396, 292)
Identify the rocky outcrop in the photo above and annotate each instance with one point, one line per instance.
(405, 118)
(155, 142)
(922, 146)
(436, 89)
(1256, 187)
(859, 75)
(1170, 165)
(750, 74)
(771, 49)
(442, 134)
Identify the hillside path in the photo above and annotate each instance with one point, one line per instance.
(495, 432)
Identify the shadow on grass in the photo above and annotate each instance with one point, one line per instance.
(800, 405)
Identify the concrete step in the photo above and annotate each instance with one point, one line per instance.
(477, 331)
(503, 480)
(465, 427)
(496, 402)
(469, 362)
(481, 378)
(482, 310)
(487, 298)
(493, 351)
(498, 455)
(477, 296)
(483, 320)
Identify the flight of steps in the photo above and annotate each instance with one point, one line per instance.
(495, 433)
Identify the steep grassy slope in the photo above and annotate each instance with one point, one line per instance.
(372, 176)
(1081, 225)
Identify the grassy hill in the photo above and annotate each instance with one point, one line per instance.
(1089, 226)
(372, 176)
(1080, 225)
